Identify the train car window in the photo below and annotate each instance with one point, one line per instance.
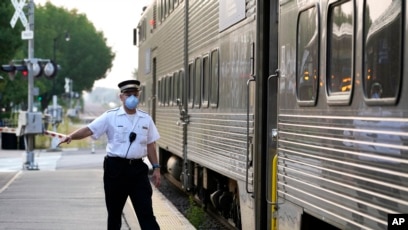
(340, 52)
(139, 34)
(170, 90)
(181, 87)
(205, 83)
(307, 56)
(383, 47)
(153, 22)
(141, 29)
(164, 92)
(176, 85)
(142, 95)
(163, 87)
(144, 29)
(190, 92)
(197, 82)
(171, 5)
(160, 10)
(165, 9)
(214, 89)
(159, 91)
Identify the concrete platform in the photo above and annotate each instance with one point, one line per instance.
(66, 193)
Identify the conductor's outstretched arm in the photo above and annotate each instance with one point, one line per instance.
(77, 135)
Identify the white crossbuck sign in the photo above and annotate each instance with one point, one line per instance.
(19, 13)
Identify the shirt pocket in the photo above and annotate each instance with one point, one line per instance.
(142, 135)
(120, 134)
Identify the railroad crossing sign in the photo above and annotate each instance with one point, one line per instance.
(19, 13)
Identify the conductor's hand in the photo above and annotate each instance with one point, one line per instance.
(67, 139)
(156, 177)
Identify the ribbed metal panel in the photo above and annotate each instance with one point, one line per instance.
(332, 165)
(171, 135)
(219, 142)
(203, 25)
(170, 43)
(167, 45)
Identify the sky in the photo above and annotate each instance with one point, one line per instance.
(117, 19)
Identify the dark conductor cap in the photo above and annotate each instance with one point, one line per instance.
(129, 85)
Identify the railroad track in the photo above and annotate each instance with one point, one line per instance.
(173, 191)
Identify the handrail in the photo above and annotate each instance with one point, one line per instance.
(247, 154)
(274, 170)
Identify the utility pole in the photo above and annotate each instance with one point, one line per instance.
(56, 110)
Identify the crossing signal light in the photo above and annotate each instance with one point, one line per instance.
(8, 68)
(12, 69)
(25, 73)
(50, 69)
(37, 70)
(47, 68)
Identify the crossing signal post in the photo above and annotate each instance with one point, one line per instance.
(30, 122)
(29, 164)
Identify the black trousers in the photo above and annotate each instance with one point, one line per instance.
(122, 179)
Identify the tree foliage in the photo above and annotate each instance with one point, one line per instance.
(10, 40)
(85, 58)
(10, 43)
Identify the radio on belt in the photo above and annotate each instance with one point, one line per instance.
(30, 122)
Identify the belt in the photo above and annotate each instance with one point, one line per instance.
(126, 160)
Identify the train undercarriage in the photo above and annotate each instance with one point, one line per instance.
(216, 193)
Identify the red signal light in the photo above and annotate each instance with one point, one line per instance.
(25, 73)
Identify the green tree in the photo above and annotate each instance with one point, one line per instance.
(85, 58)
(10, 43)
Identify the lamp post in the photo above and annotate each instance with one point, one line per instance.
(54, 56)
(55, 140)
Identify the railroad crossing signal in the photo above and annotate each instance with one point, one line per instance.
(12, 69)
(19, 13)
(40, 67)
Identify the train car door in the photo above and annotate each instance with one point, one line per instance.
(267, 75)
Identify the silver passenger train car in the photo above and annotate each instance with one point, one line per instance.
(283, 114)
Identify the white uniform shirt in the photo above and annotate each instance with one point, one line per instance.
(117, 126)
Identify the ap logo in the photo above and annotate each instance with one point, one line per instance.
(397, 221)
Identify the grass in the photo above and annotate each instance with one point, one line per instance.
(66, 127)
(195, 214)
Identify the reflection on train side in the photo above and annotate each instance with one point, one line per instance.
(377, 145)
(345, 84)
(376, 163)
(383, 51)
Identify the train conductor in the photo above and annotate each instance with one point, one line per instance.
(131, 135)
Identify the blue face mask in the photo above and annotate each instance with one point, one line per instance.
(131, 102)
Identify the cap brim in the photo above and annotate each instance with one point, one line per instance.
(129, 88)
